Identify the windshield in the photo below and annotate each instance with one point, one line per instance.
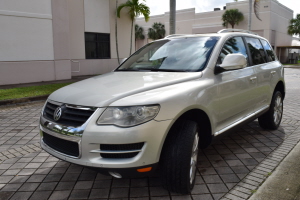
(179, 55)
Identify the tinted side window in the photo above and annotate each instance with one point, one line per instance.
(233, 45)
(269, 50)
(257, 51)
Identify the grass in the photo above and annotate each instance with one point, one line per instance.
(293, 64)
(32, 91)
(253, 191)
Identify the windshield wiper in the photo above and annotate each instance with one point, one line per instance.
(151, 69)
(123, 70)
(161, 70)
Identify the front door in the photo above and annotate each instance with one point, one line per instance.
(236, 88)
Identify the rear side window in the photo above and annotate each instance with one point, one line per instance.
(269, 50)
(233, 45)
(256, 50)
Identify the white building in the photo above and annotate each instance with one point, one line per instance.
(275, 19)
(45, 40)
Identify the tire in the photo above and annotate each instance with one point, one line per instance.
(271, 119)
(178, 164)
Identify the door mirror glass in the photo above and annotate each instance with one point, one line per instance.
(234, 61)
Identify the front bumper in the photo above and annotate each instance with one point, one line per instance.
(152, 134)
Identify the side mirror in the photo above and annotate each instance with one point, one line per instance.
(232, 62)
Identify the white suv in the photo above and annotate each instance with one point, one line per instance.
(166, 100)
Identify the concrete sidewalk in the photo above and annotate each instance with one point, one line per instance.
(284, 183)
(292, 66)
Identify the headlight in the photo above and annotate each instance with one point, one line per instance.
(128, 116)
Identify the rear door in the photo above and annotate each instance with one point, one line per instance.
(268, 76)
(236, 88)
(265, 68)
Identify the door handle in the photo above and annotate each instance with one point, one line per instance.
(253, 78)
(273, 72)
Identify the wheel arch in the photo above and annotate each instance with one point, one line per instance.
(204, 125)
(281, 88)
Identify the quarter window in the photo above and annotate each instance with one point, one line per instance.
(97, 45)
(233, 45)
(269, 50)
(256, 50)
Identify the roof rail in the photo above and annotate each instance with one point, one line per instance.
(176, 35)
(236, 30)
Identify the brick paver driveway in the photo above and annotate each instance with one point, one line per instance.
(231, 168)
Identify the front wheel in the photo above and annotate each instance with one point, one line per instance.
(179, 157)
(271, 119)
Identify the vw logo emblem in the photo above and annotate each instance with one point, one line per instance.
(57, 113)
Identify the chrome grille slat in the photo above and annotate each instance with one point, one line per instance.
(70, 116)
(120, 150)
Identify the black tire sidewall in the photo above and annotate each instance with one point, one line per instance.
(266, 120)
(176, 157)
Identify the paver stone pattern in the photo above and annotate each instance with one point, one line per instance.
(226, 169)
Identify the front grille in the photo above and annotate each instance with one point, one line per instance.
(60, 145)
(70, 116)
(121, 147)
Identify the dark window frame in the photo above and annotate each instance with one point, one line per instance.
(249, 59)
(98, 43)
(249, 52)
(266, 50)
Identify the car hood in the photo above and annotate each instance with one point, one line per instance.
(101, 91)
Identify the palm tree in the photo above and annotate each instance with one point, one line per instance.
(172, 17)
(157, 31)
(232, 17)
(116, 32)
(139, 33)
(135, 9)
(256, 8)
(294, 27)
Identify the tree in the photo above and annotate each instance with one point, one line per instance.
(116, 33)
(157, 31)
(135, 9)
(232, 17)
(294, 27)
(139, 33)
(172, 17)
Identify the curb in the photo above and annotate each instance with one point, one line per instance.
(23, 100)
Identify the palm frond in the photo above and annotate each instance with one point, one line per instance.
(256, 8)
(294, 27)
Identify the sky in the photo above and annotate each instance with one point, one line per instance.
(161, 6)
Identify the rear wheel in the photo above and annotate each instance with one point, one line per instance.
(271, 119)
(179, 157)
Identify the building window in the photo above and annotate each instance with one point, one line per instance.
(97, 46)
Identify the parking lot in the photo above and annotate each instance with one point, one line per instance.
(233, 167)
